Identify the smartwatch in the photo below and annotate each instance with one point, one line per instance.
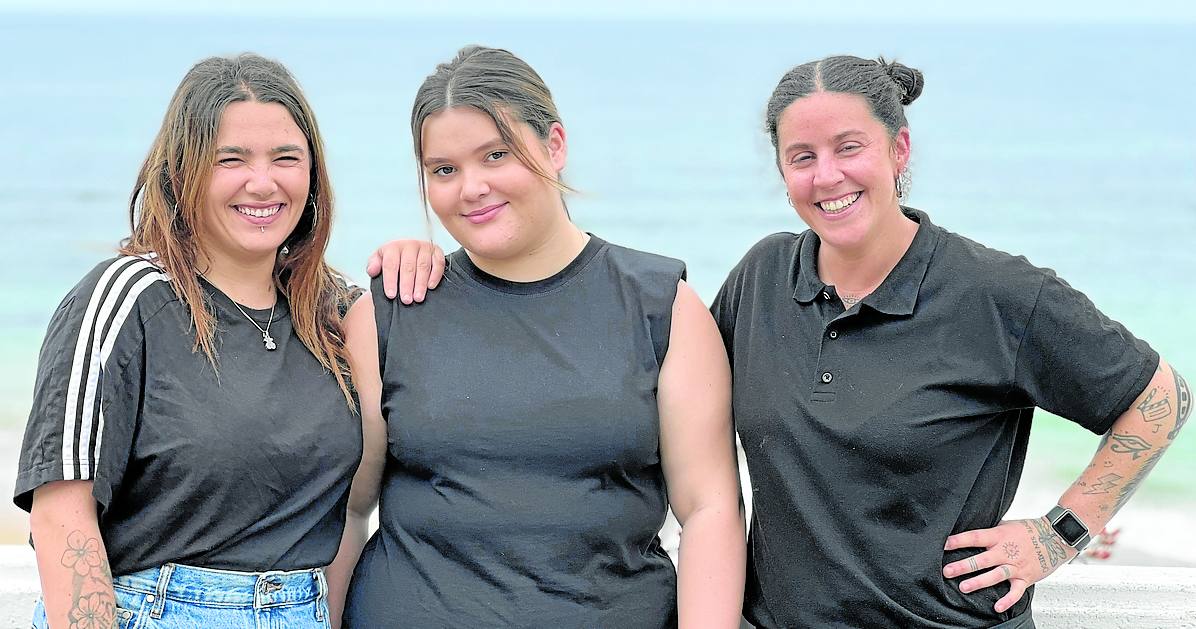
(1069, 527)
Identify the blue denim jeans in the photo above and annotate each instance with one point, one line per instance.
(183, 596)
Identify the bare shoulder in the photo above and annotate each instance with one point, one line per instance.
(694, 337)
(359, 321)
(688, 308)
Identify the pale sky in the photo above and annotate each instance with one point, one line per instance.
(923, 11)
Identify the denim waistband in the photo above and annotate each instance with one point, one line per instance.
(225, 587)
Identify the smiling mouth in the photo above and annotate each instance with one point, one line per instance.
(838, 205)
(485, 210)
(259, 212)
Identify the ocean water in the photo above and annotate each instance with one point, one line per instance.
(1072, 144)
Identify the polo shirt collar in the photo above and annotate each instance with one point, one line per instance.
(808, 283)
(898, 294)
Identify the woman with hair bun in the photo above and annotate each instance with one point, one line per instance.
(193, 435)
(885, 371)
(534, 412)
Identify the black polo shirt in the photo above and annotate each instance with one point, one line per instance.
(873, 434)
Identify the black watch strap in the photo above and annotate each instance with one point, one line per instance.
(1069, 527)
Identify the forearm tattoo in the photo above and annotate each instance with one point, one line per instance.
(1131, 486)
(1184, 395)
(1125, 443)
(1154, 408)
(1104, 484)
(93, 604)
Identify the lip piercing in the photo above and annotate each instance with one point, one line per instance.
(262, 227)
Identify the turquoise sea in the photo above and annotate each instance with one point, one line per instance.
(1072, 144)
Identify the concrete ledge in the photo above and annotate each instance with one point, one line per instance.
(1109, 597)
(1075, 597)
(19, 587)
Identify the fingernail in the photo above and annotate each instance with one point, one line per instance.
(406, 298)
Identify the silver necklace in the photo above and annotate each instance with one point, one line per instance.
(267, 340)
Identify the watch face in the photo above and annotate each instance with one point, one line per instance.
(1070, 529)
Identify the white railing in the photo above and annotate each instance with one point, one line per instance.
(1075, 597)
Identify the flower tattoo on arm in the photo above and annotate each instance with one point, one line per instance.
(93, 603)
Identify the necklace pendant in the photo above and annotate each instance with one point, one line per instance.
(269, 341)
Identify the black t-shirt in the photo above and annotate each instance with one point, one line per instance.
(523, 484)
(873, 434)
(244, 468)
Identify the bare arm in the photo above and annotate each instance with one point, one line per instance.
(71, 559)
(697, 446)
(1131, 449)
(361, 339)
(1025, 551)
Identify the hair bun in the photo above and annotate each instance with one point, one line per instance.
(908, 79)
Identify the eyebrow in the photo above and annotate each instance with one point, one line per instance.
(838, 138)
(238, 150)
(484, 147)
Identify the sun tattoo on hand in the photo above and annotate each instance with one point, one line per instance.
(1011, 550)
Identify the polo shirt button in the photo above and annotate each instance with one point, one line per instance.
(834, 334)
(827, 377)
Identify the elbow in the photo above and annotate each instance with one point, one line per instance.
(721, 511)
(361, 508)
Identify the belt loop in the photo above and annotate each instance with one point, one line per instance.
(322, 596)
(164, 574)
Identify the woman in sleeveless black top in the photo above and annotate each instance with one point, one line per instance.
(532, 416)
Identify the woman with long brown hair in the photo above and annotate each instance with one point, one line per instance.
(194, 431)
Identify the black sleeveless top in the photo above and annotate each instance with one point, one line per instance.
(523, 483)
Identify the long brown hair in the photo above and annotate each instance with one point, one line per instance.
(172, 187)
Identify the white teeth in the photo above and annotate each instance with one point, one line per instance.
(262, 212)
(834, 207)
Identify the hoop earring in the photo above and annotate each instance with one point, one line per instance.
(789, 200)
